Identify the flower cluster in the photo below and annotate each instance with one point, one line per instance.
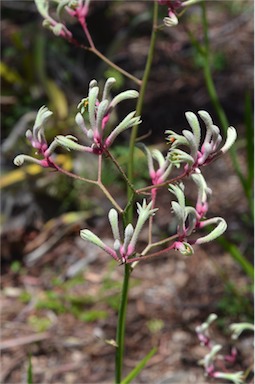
(98, 116)
(38, 141)
(200, 153)
(172, 6)
(75, 8)
(57, 27)
(122, 250)
(164, 167)
(189, 219)
(209, 362)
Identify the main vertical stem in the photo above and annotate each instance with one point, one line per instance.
(128, 215)
(120, 334)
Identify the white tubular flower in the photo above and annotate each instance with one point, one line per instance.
(236, 378)
(205, 325)
(121, 250)
(194, 124)
(21, 159)
(171, 20)
(37, 136)
(128, 122)
(164, 168)
(186, 216)
(86, 234)
(113, 219)
(231, 138)
(69, 142)
(144, 212)
(131, 94)
(38, 141)
(107, 87)
(216, 232)
(238, 328)
(209, 358)
(129, 230)
(203, 193)
(99, 114)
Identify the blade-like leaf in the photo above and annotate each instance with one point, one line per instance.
(132, 375)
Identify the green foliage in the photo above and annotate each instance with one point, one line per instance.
(15, 266)
(25, 297)
(237, 256)
(155, 325)
(236, 304)
(132, 375)
(111, 72)
(39, 323)
(29, 371)
(93, 315)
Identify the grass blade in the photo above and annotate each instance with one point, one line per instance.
(132, 375)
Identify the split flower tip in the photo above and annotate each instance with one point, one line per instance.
(21, 159)
(238, 328)
(171, 20)
(235, 378)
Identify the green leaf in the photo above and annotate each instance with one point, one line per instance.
(237, 256)
(29, 371)
(139, 367)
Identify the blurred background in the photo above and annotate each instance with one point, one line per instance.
(60, 295)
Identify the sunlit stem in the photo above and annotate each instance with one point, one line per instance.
(136, 260)
(115, 66)
(73, 175)
(157, 244)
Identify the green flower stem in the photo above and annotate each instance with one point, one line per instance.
(140, 103)
(216, 102)
(120, 333)
(128, 213)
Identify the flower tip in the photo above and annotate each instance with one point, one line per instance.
(170, 21)
(79, 119)
(111, 81)
(19, 160)
(231, 138)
